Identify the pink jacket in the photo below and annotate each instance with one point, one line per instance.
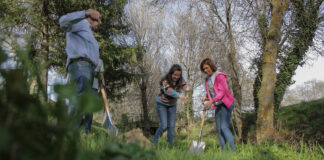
(221, 89)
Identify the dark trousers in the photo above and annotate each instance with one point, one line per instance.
(81, 74)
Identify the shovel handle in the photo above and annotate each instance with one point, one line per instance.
(203, 119)
(102, 79)
(103, 93)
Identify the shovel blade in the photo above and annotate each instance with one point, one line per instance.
(113, 131)
(197, 147)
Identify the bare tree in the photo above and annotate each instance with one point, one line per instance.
(146, 24)
(223, 12)
(190, 47)
(308, 91)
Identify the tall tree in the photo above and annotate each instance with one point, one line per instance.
(266, 92)
(298, 33)
(114, 54)
(190, 46)
(226, 20)
(40, 18)
(24, 17)
(261, 14)
(306, 19)
(145, 21)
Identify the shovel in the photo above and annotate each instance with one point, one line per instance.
(198, 146)
(112, 129)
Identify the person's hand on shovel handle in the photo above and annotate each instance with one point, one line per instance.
(203, 99)
(208, 105)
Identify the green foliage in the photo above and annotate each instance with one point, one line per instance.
(249, 125)
(188, 107)
(3, 56)
(298, 38)
(306, 119)
(257, 62)
(11, 12)
(31, 17)
(32, 129)
(90, 103)
(114, 56)
(248, 151)
(257, 82)
(126, 151)
(103, 147)
(124, 124)
(306, 23)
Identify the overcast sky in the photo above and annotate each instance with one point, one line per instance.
(314, 69)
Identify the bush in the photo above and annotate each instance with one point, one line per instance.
(305, 119)
(33, 129)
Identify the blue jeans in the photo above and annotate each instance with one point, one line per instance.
(167, 116)
(223, 119)
(81, 74)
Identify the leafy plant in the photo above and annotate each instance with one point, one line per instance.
(34, 129)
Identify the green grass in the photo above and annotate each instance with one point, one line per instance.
(299, 122)
(99, 142)
(304, 118)
(268, 151)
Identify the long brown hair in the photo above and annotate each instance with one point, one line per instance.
(168, 77)
(208, 62)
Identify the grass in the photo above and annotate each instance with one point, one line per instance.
(304, 118)
(248, 151)
(299, 122)
(98, 141)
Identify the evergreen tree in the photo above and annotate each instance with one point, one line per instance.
(39, 18)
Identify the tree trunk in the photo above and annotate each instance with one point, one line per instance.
(188, 107)
(266, 93)
(143, 88)
(232, 58)
(263, 31)
(43, 60)
(236, 89)
(42, 57)
(189, 114)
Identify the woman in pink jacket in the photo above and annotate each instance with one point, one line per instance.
(220, 97)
